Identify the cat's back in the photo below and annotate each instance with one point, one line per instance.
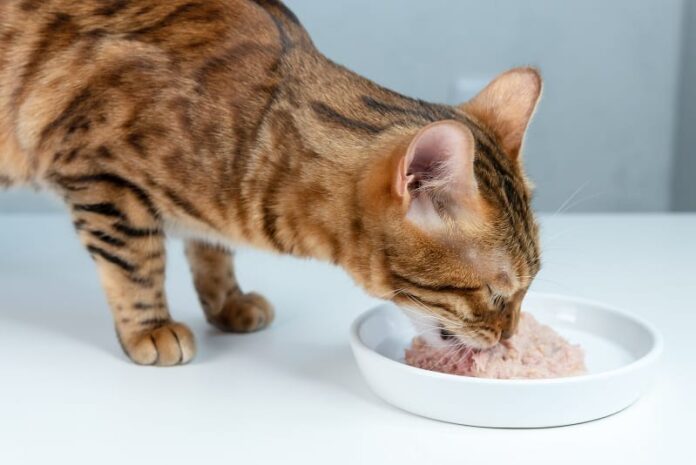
(54, 53)
(35, 32)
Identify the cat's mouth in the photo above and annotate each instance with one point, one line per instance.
(472, 339)
(441, 335)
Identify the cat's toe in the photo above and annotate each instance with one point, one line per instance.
(244, 313)
(165, 345)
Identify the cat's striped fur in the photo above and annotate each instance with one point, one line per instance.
(220, 117)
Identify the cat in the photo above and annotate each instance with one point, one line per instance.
(220, 119)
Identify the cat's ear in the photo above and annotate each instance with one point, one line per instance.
(507, 105)
(436, 172)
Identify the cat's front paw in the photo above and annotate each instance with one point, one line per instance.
(167, 344)
(243, 313)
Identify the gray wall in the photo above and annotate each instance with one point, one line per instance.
(607, 122)
(685, 163)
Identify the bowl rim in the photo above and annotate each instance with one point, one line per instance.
(648, 359)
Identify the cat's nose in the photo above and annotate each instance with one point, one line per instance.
(509, 327)
(508, 332)
(511, 316)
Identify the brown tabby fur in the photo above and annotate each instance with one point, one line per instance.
(220, 119)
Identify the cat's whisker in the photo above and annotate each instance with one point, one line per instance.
(584, 199)
(570, 198)
(428, 310)
(445, 323)
(421, 314)
(389, 294)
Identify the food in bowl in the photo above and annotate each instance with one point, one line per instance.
(535, 351)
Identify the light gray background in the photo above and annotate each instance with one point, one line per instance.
(614, 130)
(684, 193)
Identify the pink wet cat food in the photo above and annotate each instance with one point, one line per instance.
(536, 351)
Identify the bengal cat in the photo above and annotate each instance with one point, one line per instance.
(221, 120)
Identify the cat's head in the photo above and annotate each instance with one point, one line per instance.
(455, 239)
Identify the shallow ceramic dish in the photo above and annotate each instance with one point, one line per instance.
(621, 354)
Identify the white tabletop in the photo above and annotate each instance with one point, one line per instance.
(293, 394)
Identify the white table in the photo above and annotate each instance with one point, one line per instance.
(293, 394)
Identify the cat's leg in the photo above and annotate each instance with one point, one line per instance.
(226, 307)
(122, 231)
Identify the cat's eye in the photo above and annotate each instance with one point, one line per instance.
(497, 299)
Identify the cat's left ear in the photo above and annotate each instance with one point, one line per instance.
(437, 172)
(507, 105)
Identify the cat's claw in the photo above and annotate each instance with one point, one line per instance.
(243, 313)
(166, 345)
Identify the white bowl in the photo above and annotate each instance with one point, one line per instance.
(621, 354)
